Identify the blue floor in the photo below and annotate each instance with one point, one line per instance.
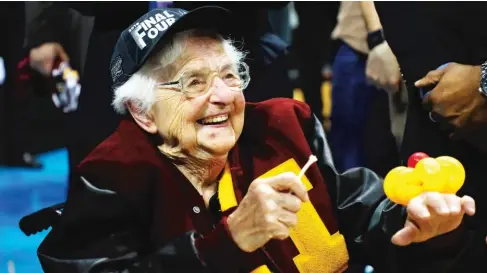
(23, 191)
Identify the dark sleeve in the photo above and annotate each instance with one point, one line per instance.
(101, 232)
(367, 219)
(85, 8)
(51, 23)
(127, 13)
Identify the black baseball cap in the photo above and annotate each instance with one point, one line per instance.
(149, 33)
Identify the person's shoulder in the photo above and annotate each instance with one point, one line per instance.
(276, 116)
(278, 108)
(124, 161)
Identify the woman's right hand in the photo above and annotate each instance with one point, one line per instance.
(267, 211)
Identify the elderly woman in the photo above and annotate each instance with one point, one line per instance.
(196, 180)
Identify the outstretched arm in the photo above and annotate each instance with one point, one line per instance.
(369, 220)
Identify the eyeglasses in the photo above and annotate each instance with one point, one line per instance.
(194, 83)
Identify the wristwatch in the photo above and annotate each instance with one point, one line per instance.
(375, 38)
(483, 79)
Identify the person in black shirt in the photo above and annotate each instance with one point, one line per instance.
(452, 120)
(13, 137)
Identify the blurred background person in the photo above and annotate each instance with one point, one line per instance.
(14, 136)
(55, 33)
(313, 49)
(364, 70)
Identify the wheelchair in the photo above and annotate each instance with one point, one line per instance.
(41, 220)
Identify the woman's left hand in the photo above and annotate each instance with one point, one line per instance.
(432, 214)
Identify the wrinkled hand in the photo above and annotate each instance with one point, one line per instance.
(267, 211)
(43, 57)
(457, 100)
(383, 69)
(432, 214)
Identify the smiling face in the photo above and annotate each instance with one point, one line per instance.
(205, 124)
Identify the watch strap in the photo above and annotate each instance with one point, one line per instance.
(375, 38)
(483, 79)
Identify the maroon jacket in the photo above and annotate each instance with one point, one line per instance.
(133, 210)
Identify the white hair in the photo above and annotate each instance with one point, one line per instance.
(139, 88)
